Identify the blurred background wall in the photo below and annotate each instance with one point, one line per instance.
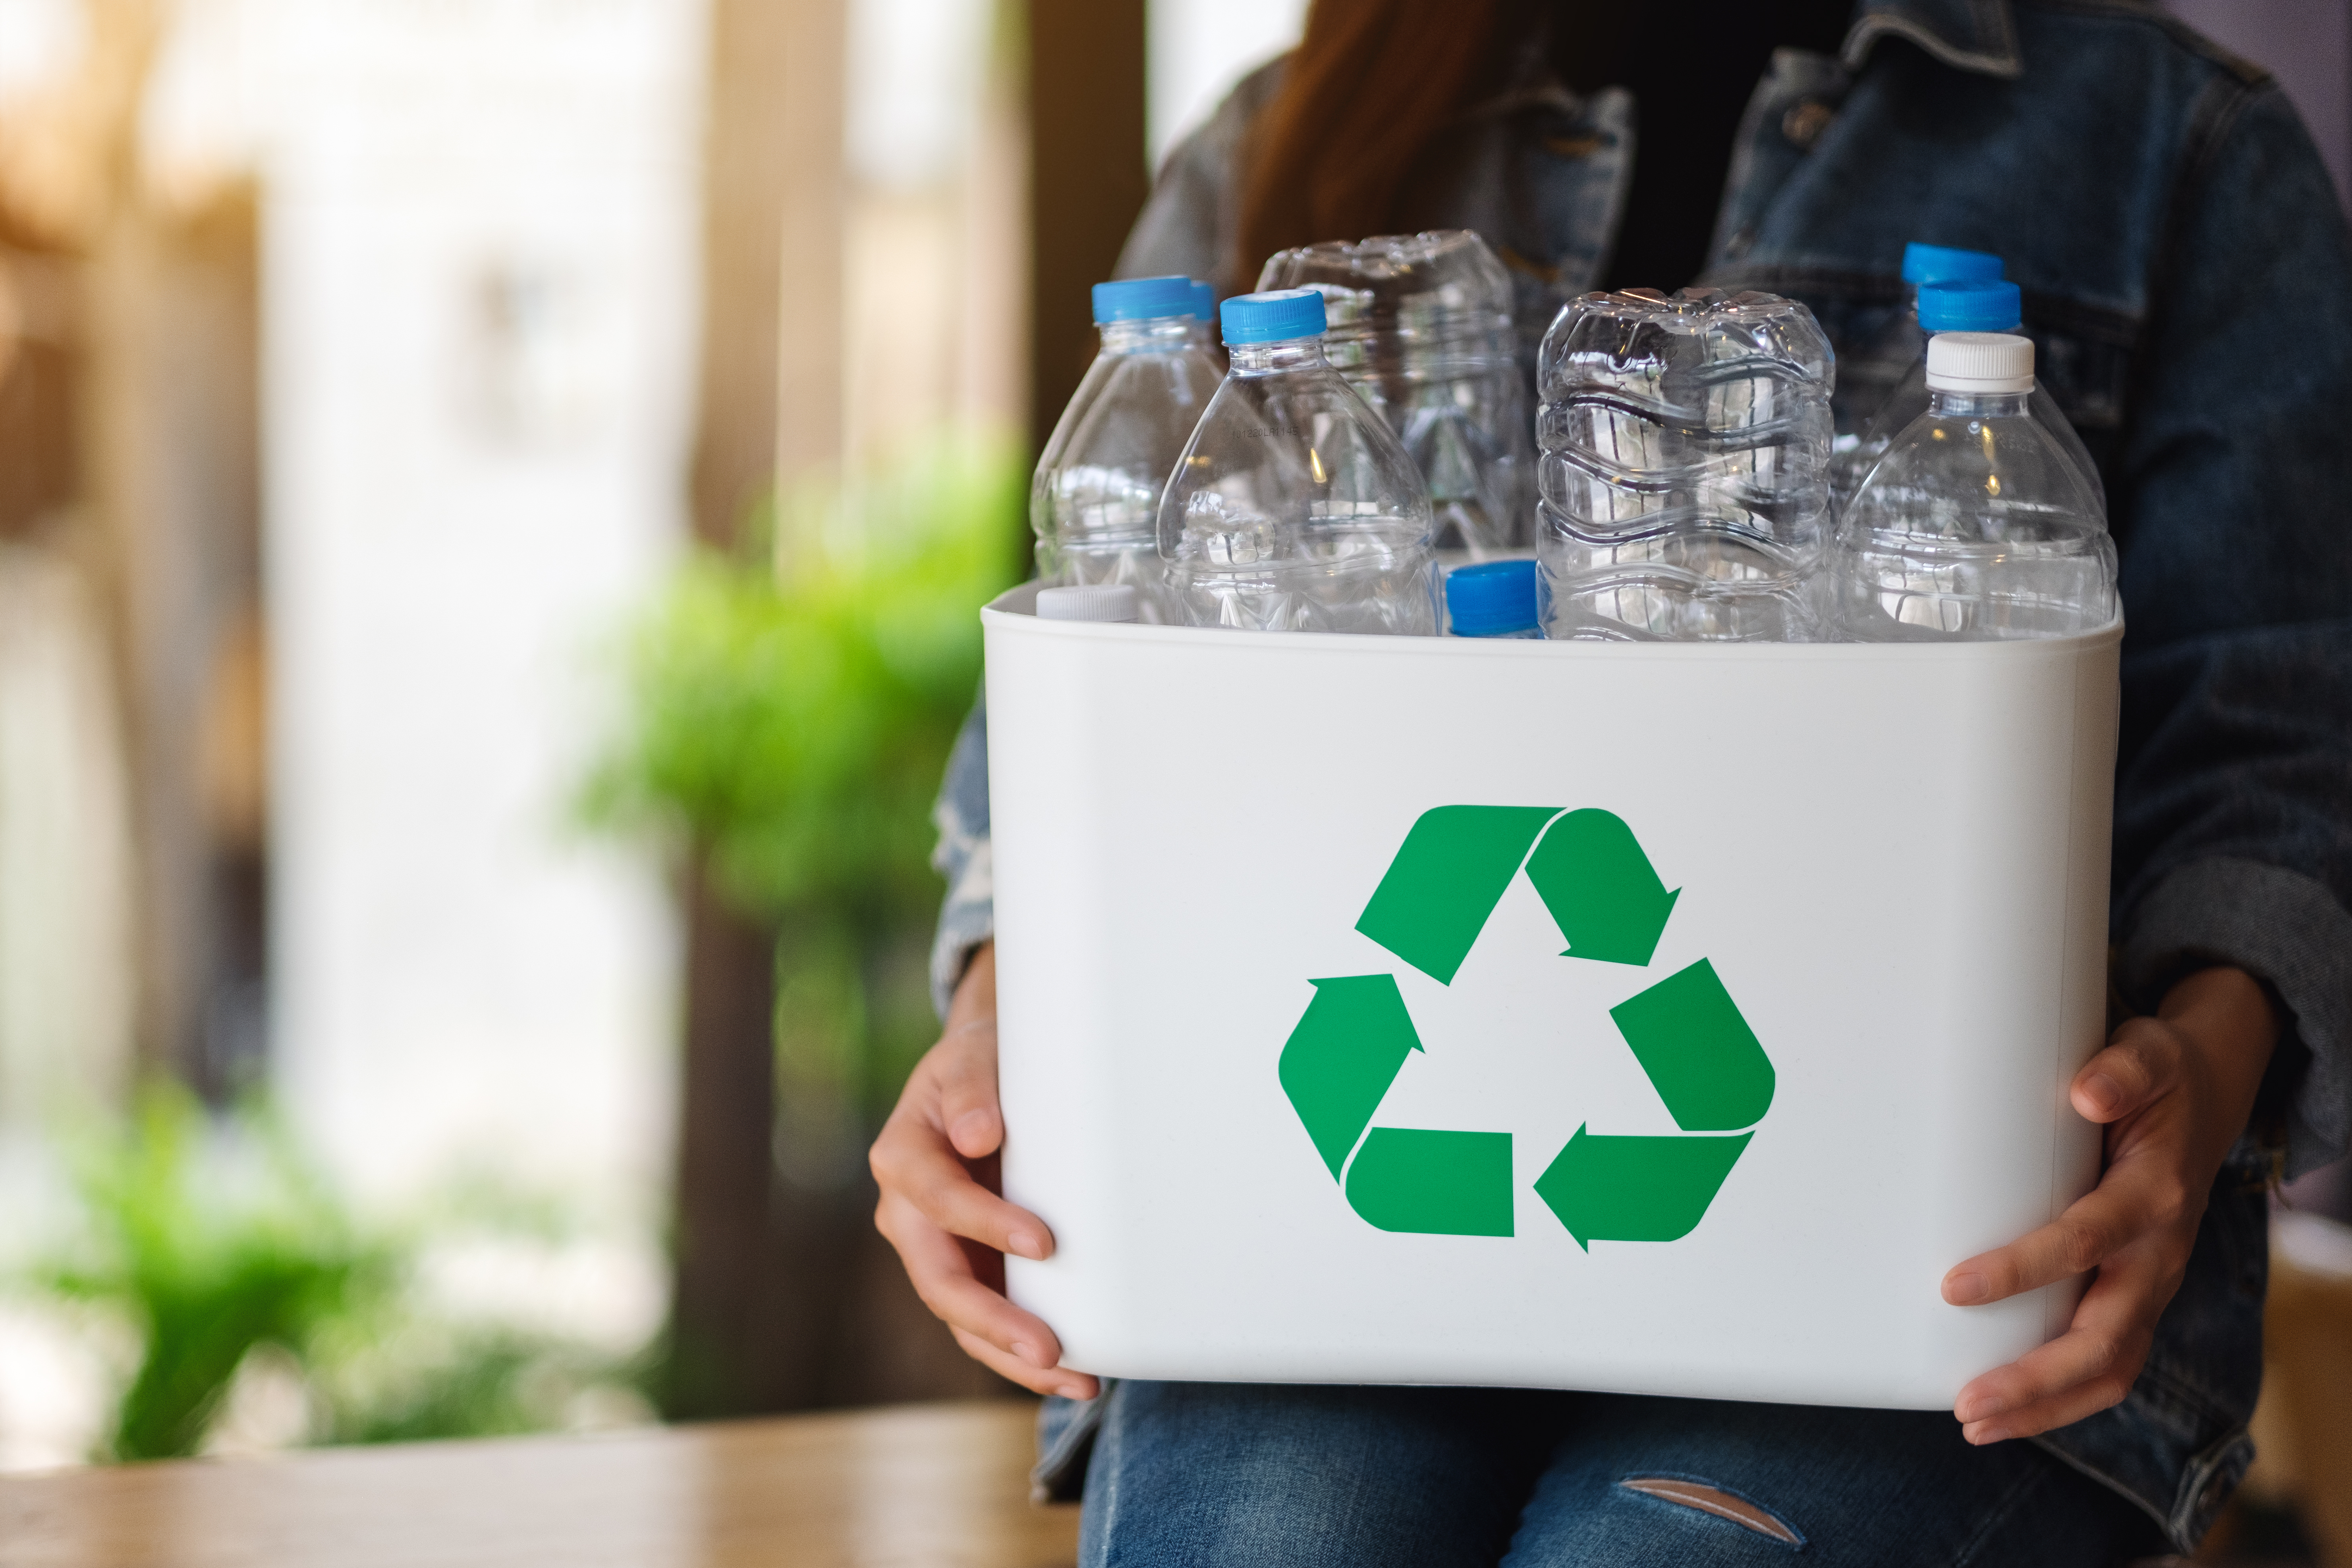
(366, 368)
(2307, 45)
(478, 328)
(1198, 49)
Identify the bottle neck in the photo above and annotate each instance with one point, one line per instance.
(1158, 335)
(1261, 359)
(1976, 404)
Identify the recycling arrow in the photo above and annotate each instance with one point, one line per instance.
(1335, 1067)
(1446, 1184)
(1446, 879)
(1599, 887)
(1342, 1057)
(1636, 1189)
(1708, 1068)
(1702, 1057)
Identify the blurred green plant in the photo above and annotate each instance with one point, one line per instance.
(209, 1246)
(433, 1380)
(212, 1239)
(788, 718)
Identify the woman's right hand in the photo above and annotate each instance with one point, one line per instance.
(937, 1161)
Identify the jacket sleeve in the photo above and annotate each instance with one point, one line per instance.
(2233, 805)
(968, 917)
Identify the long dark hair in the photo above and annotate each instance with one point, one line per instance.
(1370, 82)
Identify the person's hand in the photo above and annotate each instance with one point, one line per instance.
(936, 1161)
(2175, 1091)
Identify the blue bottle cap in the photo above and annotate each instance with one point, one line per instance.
(1273, 318)
(1942, 264)
(1204, 300)
(1142, 298)
(1970, 307)
(1492, 598)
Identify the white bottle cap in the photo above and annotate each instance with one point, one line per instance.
(1089, 602)
(1979, 363)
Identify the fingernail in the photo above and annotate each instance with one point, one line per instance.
(2104, 1093)
(1984, 1407)
(1962, 1289)
(1027, 1244)
(1074, 1391)
(1028, 1352)
(1991, 1434)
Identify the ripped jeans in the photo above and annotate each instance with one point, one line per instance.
(1252, 1476)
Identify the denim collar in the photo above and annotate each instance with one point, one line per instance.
(1978, 35)
(1971, 35)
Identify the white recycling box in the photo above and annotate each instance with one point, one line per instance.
(1661, 1018)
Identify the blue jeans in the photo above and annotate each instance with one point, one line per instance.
(1238, 1475)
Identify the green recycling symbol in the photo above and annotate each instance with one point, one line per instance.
(1699, 1054)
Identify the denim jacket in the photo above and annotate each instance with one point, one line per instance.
(2187, 283)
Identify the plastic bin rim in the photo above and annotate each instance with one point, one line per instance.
(1015, 612)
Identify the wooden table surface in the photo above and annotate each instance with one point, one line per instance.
(918, 1486)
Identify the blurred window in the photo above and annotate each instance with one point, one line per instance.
(1199, 49)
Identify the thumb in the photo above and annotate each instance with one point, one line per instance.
(2140, 1065)
(968, 1103)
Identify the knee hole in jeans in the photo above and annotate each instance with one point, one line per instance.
(1705, 1497)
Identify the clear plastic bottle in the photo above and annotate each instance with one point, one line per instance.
(1094, 502)
(1294, 508)
(1974, 307)
(1685, 446)
(1492, 599)
(1922, 264)
(1421, 325)
(1975, 526)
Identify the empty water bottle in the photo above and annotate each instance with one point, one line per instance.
(1492, 599)
(1204, 313)
(1293, 507)
(1421, 325)
(1922, 264)
(1094, 500)
(1976, 525)
(1686, 444)
(1981, 307)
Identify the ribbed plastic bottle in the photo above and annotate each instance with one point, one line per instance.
(1979, 307)
(1094, 502)
(1293, 507)
(1922, 264)
(1685, 447)
(1975, 526)
(1420, 324)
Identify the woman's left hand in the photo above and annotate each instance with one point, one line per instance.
(2175, 1092)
